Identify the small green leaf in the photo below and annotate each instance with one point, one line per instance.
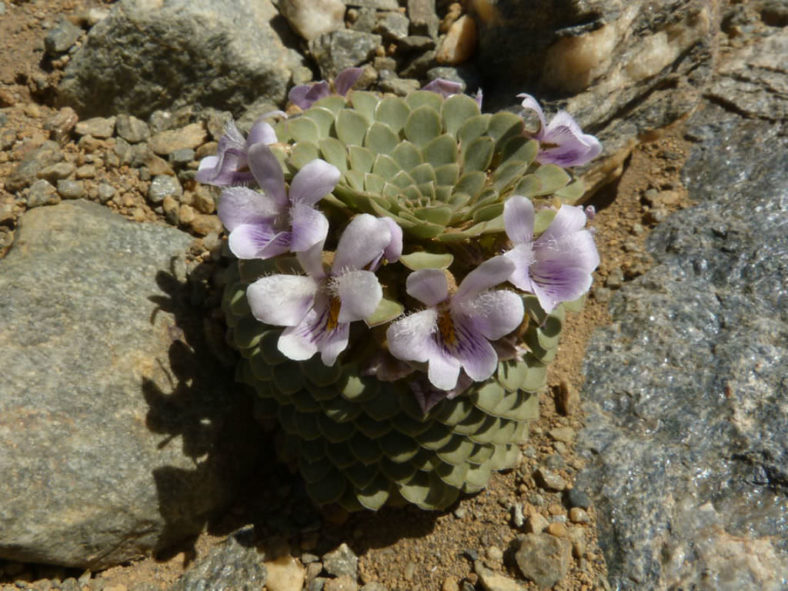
(478, 154)
(355, 178)
(303, 153)
(553, 177)
(519, 149)
(425, 230)
(442, 150)
(333, 152)
(380, 139)
(529, 186)
(351, 127)
(365, 103)
(504, 125)
(282, 131)
(424, 98)
(393, 112)
(386, 311)
(427, 190)
(437, 215)
(373, 183)
(303, 129)
(447, 175)
(492, 226)
(323, 118)
(332, 103)
(459, 199)
(471, 183)
(423, 125)
(426, 260)
(360, 158)
(385, 166)
(572, 193)
(506, 175)
(402, 179)
(443, 193)
(457, 110)
(407, 155)
(472, 128)
(423, 173)
(487, 212)
(543, 219)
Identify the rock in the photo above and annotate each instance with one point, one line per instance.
(163, 186)
(203, 224)
(105, 192)
(68, 189)
(392, 25)
(131, 129)
(61, 124)
(423, 19)
(86, 171)
(493, 581)
(567, 398)
(459, 45)
(172, 140)
(312, 18)
(61, 37)
(149, 55)
(578, 498)
(550, 480)
(536, 523)
(341, 561)
(342, 49)
(623, 66)
(686, 421)
(42, 193)
(119, 429)
(284, 574)
(379, 4)
(98, 127)
(55, 172)
(343, 583)
(27, 170)
(399, 86)
(565, 434)
(542, 558)
(578, 515)
(233, 564)
(557, 529)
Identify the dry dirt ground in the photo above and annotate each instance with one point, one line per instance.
(402, 549)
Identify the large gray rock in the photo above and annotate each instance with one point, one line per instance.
(115, 425)
(687, 390)
(151, 54)
(624, 66)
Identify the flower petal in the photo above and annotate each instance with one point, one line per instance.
(346, 79)
(573, 250)
(361, 243)
(394, 249)
(258, 241)
(224, 169)
(443, 370)
(429, 286)
(474, 352)
(261, 133)
(411, 338)
(492, 314)
(268, 173)
(313, 182)
(310, 227)
(489, 274)
(443, 87)
(522, 256)
(296, 342)
(359, 292)
(569, 219)
(281, 300)
(311, 261)
(572, 146)
(333, 343)
(240, 205)
(531, 103)
(518, 219)
(305, 95)
(555, 283)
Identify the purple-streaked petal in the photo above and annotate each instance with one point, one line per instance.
(411, 338)
(258, 241)
(282, 300)
(361, 243)
(305, 95)
(332, 343)
(313, 182)
(555, 283)
(296, 342)
(309, 227)
(492, 314)
(346, 79)
(568, 220)
(474, 352)
(311, 261)
(228, 167)
(489, 274)
(518, 219)
(522, 256)
(261, 133)
(240, 205)
(443, 87)
(359, 292)
(443, 370)
(429, 286)
(393, 251)
(268, 173)
(574, 250)
(566, 144)
(531, 103)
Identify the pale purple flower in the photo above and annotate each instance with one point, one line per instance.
(455, 331)
(447, 88)
(305, 95)
(276, 221)
(557, 266)
(317, 308)
(230, 166)
(561, 141)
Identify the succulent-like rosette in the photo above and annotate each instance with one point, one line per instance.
(276, 221)
(317, 308)
(561, 141)
(230, 166)
(455, 330)
(556, 267)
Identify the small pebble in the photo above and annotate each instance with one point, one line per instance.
(98, 127)
(578, 515)
(410, 571)
(459, 45)
(87, 171)
(163, 186)
(550, 480)
(557, 529)
(42, 193)
(578, 498)
(565, 434)
(341, 561)
(131, 129)
(450, 584)
(343, 583)
(518, 519)
(69, 189)
(536, 523)
(460, 512)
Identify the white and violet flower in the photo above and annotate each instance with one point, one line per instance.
(230, 166)
(317, 308)
(455, 330)
(276, 221)
(305, 95)
(557, 266)
(561, 141)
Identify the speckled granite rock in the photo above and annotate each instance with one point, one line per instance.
(115, 424)
(686, 392)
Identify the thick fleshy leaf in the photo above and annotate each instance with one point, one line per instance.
(303, 129)
(303, 153)
(309, 227)
(429, 286)
(268, 172)
(518, 217)
(487, 275)
(457, 110)
(361, 243)
(386, 311)
(351, 127)
(281, 300)
(532, 104)
(239, 205)
(393, 112)
(423, 125)
(380, 139)
(478, 154)
(426, 260)
(359, 292)
(323, 118)
(313, 182)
